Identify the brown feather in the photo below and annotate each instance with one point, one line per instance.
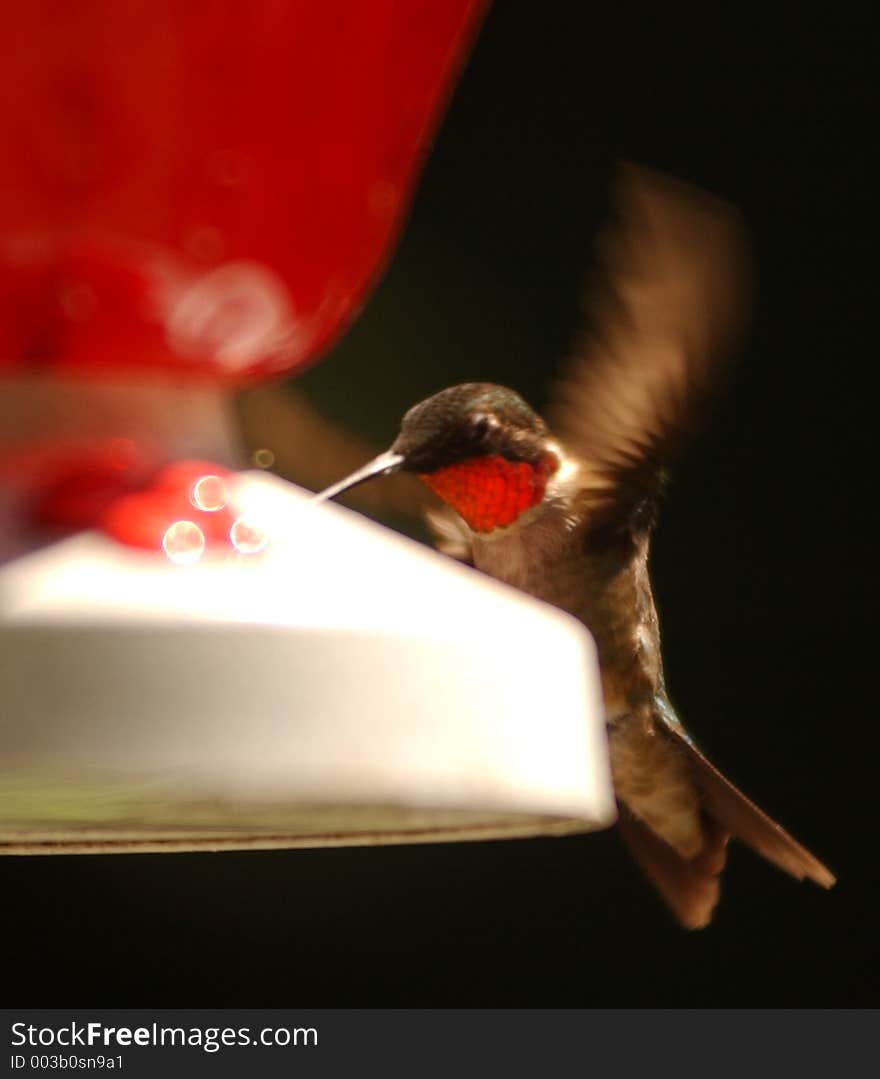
(690, 887)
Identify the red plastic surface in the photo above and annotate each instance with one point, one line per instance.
(207, 188)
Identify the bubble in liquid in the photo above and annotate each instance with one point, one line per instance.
(263, 458)
(209, 494)
(248, 537)
(183, 542)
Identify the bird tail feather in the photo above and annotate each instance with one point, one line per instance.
(738, 815)
(691, 886)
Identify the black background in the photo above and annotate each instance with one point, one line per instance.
(763, 560)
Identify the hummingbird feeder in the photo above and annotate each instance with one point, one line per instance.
(192, 199)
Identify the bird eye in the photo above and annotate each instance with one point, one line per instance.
(480, 424)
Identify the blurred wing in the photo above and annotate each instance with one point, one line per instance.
(450, 534)
(309, 449)
(666, 313)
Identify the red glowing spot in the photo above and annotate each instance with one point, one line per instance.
(492, 492)
(184, 475)
(143, 518)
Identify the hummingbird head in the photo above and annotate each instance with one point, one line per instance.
(479, 447)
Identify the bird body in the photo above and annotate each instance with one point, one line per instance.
(566, 514)
(575, 550)
(605, 584)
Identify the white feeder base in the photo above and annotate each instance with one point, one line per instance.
(344, 686)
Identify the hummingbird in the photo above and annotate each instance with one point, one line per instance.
(564, 509)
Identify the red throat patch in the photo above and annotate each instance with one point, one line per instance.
(491, 492)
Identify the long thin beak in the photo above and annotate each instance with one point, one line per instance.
(383, 465)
